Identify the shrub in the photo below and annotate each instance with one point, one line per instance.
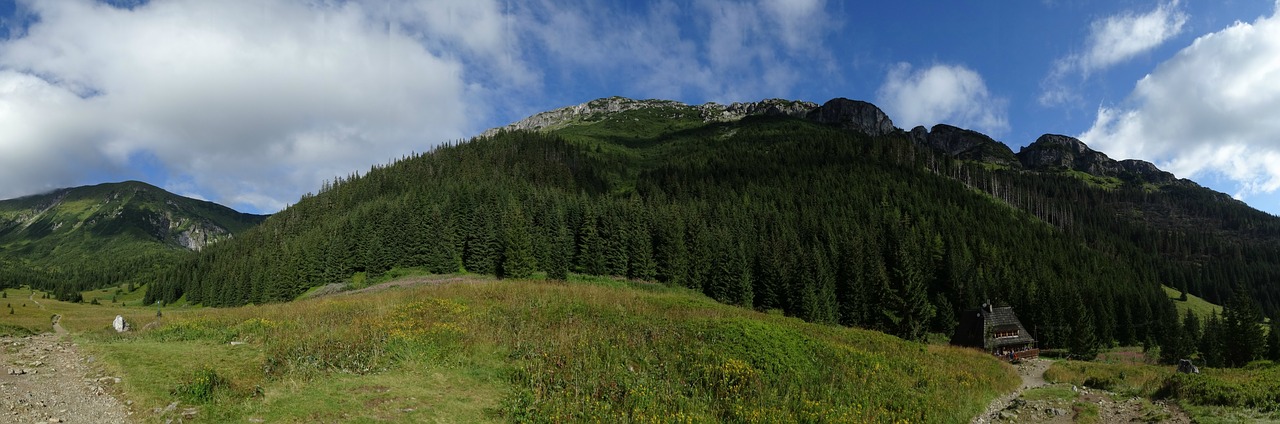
(201, 387)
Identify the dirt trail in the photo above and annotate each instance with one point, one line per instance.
(1032, 373)
(1110, 407)
(45, 380)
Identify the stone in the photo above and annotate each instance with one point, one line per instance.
(120, 324)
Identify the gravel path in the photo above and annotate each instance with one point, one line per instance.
(1110, 407)
(45, 380)
(1032, 373)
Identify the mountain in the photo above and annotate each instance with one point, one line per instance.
(824, 212)
(111, 229)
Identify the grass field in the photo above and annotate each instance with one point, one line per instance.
(479, 350)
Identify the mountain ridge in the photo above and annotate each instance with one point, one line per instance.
(1048, 153)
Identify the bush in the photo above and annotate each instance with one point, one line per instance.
(201, 387)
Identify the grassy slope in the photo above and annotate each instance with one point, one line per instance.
(1200, 307)
(483, 350)
(1216, 395)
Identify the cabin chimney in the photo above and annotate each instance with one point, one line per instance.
(986, 307)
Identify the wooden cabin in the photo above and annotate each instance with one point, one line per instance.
(997, 331)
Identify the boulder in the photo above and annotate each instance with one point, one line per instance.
(1186, 367)
(120, 324)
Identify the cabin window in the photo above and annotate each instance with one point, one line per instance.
(1004, 334)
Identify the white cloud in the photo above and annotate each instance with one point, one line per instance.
(252, 101)
(941, 94)
(1209, 110)
(1111, 41)
(713, 50)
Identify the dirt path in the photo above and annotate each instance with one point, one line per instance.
(1107, 406)
(1032, 373)
(45, 380)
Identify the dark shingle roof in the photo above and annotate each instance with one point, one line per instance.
(1005, 318)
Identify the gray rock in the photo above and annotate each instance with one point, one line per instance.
(965, 144)
(853, 115)
(1054, 152)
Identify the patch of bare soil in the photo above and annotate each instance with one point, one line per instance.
(1108, 407)
(45, 380)
(339, 288)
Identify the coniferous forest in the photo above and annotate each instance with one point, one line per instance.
(771, 213)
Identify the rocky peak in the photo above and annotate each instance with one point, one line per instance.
(844, 113)
(1147, 171)
(964, 144)
(1053, 151)
(853, 115)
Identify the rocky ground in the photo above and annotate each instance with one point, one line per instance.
(45, 380)
(1082, 401)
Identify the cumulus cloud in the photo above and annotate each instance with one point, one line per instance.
(1208, 110)
(1113, 40)
(713, 50)
(252, 101)
(941, 94)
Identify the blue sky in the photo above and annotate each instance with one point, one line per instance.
(252, 103)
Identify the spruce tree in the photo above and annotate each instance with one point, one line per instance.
(1083, 344)
(561, 246)
(910, 302)
(1273, 341)
(1243, 340)
(517, 247)
(1211, 342)
(590, 256)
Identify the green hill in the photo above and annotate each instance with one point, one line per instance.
(474, 349)
(105, 235)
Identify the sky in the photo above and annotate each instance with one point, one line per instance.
(253, 103)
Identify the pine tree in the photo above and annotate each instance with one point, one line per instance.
(1273, 340)
(1243, 340)
(517, 247)
(1083, 344)
(1211, 343)
(910, 302)
(640, 262)
(671, 255)
(561, 246)
(590, 256)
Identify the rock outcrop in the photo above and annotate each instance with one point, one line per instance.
(844, 113)
(714, 112)
(853, 115)
(965, 144)
(1059, 152)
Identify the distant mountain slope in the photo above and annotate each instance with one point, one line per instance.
(101, 230)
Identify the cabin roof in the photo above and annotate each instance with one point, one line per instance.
(978, 327)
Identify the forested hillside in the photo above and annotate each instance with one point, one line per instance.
(823, 223)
